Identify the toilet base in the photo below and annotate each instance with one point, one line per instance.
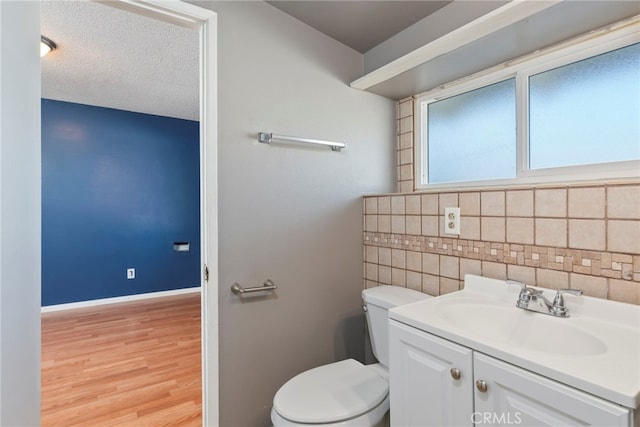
(377, 417)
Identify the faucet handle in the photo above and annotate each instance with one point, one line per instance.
(558, 307)
(524, 289)
(523, 286)
(559, 301)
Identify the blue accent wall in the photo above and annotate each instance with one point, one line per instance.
(118, 189)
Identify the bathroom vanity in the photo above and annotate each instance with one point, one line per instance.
(474, 357)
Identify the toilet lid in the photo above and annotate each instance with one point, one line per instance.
(330, 393)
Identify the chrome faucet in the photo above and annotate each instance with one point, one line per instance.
(534, 300)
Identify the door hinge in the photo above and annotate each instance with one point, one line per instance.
(206, 273)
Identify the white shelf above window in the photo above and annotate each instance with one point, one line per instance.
(512, 30)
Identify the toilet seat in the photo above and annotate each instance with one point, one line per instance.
(331, 393)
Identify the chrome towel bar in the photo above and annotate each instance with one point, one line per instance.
(266, 138)
(268, 285)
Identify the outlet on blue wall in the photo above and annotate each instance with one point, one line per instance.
(118, 189)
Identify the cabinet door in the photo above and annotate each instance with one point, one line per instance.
(515, 396)
(423, 391)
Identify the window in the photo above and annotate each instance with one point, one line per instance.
(586, 112)
(472, 136)
(569, 113)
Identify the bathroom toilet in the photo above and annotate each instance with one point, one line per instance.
(346, 393)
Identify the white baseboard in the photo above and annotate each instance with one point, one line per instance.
(104, 301)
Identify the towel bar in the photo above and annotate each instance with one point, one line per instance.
(267, 286)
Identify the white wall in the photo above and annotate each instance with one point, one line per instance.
(290, 213)
(19, 213)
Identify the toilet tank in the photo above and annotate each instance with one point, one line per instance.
(378, 301)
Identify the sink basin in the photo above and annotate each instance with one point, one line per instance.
(517, 327)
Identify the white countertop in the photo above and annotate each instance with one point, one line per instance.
(596, 349)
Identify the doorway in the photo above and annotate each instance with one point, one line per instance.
(204, 22)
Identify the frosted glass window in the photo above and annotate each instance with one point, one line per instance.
(472, 136)
(586, 112)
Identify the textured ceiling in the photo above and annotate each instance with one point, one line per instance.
(112, 58)
(360, 25)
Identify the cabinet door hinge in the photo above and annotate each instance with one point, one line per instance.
(206, 273)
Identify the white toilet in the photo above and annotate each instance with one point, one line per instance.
(346, 393)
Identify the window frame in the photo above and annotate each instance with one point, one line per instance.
(610, 38)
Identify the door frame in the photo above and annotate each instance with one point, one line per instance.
(205, 22)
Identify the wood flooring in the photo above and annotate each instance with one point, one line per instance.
(130, 364)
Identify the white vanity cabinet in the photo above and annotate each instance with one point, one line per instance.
(424, 390)
(516, 396)
(435, 382)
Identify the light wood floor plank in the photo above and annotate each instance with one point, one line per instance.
(130, 364)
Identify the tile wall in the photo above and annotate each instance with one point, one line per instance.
(404, 161)
(565, 236)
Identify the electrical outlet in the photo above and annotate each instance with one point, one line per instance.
(452, 221)
(131, 273)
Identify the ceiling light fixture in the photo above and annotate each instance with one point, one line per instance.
(46, 45)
